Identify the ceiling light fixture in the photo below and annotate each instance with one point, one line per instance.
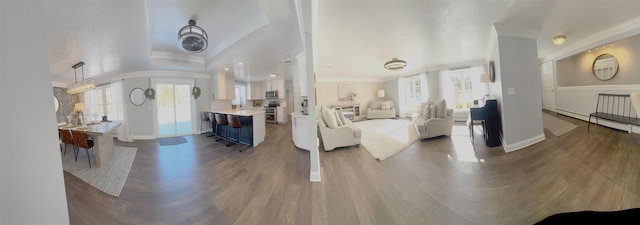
(395, 64)
(240, 63)
(192, 38)
(226, 69)
(273, 75)
(83, 85)
(559, 39)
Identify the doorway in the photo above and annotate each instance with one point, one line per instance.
(548, 86)
(173, 108)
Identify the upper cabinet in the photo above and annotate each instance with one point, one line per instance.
(255, 90)
(223, 86)
(276, 85)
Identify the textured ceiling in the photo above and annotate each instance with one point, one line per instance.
(355, 37)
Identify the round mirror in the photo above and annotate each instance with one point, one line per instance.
(137, 96)
(605, 66)
(56, 103)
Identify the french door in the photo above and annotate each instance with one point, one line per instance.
(173, 108)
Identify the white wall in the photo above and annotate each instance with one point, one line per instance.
(521, 110)
(367, 92)
(141, 124)
(31, 181)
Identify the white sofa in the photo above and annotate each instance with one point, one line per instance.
(344, 135)
(434, 124)
(375, 110)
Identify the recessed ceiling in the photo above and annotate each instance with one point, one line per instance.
(115, 37)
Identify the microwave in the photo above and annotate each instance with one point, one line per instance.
(271, 95)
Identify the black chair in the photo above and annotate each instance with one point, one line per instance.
(221, 122)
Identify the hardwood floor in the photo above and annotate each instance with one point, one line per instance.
(445, 180)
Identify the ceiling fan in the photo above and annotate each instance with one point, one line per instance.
(192, 38)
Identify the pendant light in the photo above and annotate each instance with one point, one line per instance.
(84, 84)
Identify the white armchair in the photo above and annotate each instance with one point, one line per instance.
(434, 127)
(377, 111)
(340, 136)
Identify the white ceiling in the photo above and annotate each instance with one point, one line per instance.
(355, 37)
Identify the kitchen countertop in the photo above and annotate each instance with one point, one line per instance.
(238, 112)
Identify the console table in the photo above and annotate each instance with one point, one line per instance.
(351, 112)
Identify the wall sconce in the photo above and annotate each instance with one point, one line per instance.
(559, 39)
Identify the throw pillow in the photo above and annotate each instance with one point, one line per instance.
(442, 108)
(427, 111)
(423, 108)
(432, 111)
(385, 105)
(344, 120)
(329, 118)
(337, 114)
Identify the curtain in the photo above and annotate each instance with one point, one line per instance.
(118, 95)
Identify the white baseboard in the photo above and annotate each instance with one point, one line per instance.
(602, 122)
(314, 176)
(522, 144)
(144, 137)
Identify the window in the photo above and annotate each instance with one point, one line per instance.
(100, 102)
(240, 95)
(413, 92)
(461, 87)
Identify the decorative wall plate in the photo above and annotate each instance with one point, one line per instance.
(137, 96)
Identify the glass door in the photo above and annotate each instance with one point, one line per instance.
(173, 109)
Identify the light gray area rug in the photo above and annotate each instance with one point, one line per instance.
(556, 126)
(383, 138)
(110, 177)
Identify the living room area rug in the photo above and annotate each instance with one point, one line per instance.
(556, 126)
(110, 177)
(383, 138)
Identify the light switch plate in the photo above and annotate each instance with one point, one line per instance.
(512, 91)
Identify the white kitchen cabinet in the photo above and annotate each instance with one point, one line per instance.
(300, 130)
(255, 90)
(223, 86)
(276, 85)
(281, 115)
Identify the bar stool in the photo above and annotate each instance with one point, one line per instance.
(221, 121)
(214, 126)
(234, 122)
(204, 119)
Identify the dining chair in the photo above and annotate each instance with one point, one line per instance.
(80, 140)
(66, 138)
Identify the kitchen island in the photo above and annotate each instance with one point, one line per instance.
(102, 135)
(253, 119)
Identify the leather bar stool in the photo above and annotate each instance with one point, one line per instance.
(204, 118)
(221, 122)
(214, 126)
(234, 122)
